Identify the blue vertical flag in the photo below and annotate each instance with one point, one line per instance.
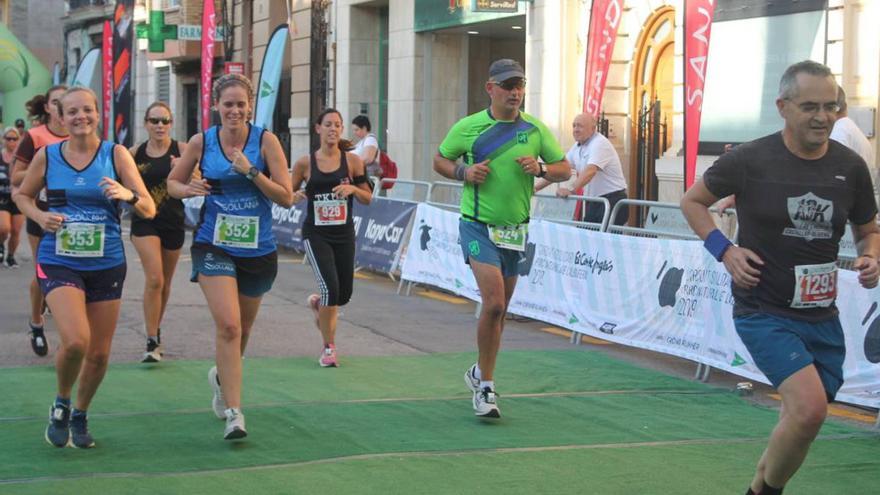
(270, 78)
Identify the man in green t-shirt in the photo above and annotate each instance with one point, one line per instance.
(499, 147)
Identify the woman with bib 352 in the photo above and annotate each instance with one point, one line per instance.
(80, 259)
(243, 171)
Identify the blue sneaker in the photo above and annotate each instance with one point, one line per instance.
(79, 432)
(58, 431)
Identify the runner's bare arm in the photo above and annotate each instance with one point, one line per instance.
(25, 198)
(867, 239)
(695, 207)
(362, 191)
(19, 170)
(739, 262)
(298, 175)
(275, 186)
(181, 182)
(130, 182)
(558, 171)
(475, 174)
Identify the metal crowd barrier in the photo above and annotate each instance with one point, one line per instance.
(410, 191)
(561, 210)
(666, 221)
(446, 195)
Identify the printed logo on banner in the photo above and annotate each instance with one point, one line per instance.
(872, 337)
(425, 236)
(737, 360)
(608, 328)
(667, 293)
(525, 263)
(686, 289)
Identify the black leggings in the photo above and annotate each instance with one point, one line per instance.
(333, 263)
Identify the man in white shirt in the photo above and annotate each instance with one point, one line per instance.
(598, 169)
(367, 146)
(847, 133)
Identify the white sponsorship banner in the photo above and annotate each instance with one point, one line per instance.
(433, 255)
(668, 296)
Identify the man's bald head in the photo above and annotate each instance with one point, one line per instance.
(583, 127)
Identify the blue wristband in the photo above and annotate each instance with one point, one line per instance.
(717, 244)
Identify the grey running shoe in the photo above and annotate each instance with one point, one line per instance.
(218, 403)
(485, 405)
(58, 431)
(80, 437)
(234, 424)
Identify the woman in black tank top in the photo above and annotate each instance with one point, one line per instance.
(11, 219)
(157, 241)
(333, 177)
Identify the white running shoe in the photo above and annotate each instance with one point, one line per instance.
(218, 403)
(471, 380)
(234, 424)
(485, 405)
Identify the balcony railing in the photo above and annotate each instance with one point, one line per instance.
(78, 4)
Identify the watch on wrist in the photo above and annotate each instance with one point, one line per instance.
(252, 173)
(135, 197)
(543, 171)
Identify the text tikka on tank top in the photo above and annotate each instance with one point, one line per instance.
(327, 214)
(89, 239)
(154, 171)
(236, 216)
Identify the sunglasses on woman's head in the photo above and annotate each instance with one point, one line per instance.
(156, 121)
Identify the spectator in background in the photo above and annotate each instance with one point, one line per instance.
(847, 133)
(598, 170)
(367, 147)
(19, 126)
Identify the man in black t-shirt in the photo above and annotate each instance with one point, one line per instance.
(795, 191)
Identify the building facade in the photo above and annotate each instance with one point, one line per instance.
(416, 66)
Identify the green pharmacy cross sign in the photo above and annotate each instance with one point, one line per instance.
(156, 31)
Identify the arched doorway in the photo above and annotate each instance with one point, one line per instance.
(652, 100)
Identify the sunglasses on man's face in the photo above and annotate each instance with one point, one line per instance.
(156, 121)
(511, 84)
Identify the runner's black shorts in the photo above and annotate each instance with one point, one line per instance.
(170, 238)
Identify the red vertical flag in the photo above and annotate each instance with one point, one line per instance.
(209, 31)
(697, 28)
(605, 18)
(107, 80)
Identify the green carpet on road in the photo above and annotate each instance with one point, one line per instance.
(574, 422)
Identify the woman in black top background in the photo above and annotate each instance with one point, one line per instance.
(333, 176)
(157, 241)
(11, 219)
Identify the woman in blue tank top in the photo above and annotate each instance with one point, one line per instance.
(243, 171)
(333, 176)
(80, 259)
